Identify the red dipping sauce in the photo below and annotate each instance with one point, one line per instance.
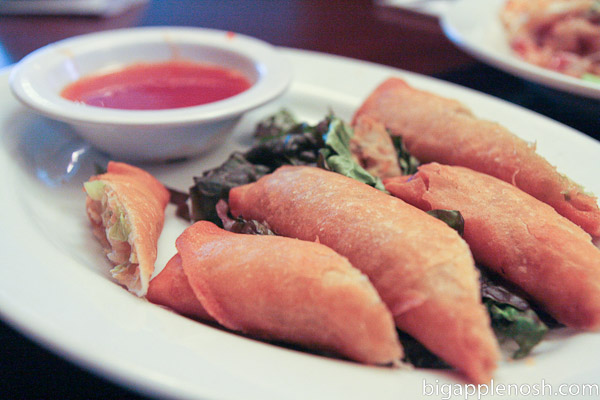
(158, 86)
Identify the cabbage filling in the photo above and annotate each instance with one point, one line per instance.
(113, 229)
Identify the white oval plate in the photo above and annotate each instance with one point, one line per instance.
(475, 27)
(55, 285)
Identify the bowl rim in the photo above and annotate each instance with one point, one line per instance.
(274, 76)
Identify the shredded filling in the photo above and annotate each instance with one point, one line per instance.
(113, 230)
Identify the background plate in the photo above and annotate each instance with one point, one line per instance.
(475, 27)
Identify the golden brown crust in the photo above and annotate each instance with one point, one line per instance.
(437, 129)
(289, 290)
(143, 199)
(416, 262)
(516, 235)
(171, 289)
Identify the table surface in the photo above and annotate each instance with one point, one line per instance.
(358, 29)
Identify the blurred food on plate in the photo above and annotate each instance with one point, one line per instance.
(560, 35)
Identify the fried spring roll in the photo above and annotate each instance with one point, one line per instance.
(421, 268)
(282, 289)
(171, 288)
(437, 129)
(126, 207)
(373, 149)
(522, 239)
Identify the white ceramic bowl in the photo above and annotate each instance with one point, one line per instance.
(155, 135)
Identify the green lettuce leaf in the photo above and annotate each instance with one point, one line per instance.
(281, 141)
(408, 163)
(215, 185)
(418, 355)
(452, 218)
(512, 316)
(276, 125)
(298, 145)
(240, 225)
(336, 155)
(524, 327)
